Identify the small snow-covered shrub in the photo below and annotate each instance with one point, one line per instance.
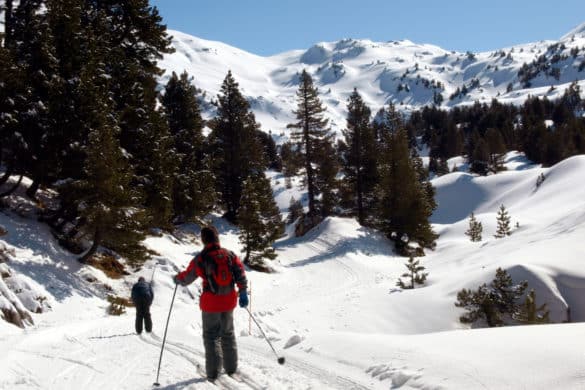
(26, 291)
(5, 271)
(109, 265)
(118, 305)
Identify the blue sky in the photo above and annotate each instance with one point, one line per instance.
(268, 27)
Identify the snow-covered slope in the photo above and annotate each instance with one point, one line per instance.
(407, 74)
(332, 309)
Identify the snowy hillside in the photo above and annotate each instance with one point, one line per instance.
(407, 74)
(333, 308)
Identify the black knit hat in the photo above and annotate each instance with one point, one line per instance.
(209, 235)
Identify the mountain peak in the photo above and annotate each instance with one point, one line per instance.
(577, 31)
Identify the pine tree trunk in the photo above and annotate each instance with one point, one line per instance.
(96, 242)
(31, 191)
(309, 169)
(11, 190)
(360, 190)
(247, 258)
(8, 23)
(488, 316)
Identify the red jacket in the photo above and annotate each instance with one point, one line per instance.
(210, 301)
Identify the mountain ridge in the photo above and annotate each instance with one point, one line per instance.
(404, 73)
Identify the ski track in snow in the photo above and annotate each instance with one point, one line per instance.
(197, 358)
(322, 375)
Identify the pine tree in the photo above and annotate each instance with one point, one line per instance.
(475, 229)
(572, 97)
(310, 129)
(8, 10)
(35, 54)
(270, 150)
(497, 149)
(71, 36)
(136, 39)
(404, 204)
(291, 159)
(82, 42)
(494, 303)
(414, 273)
(12, 145)
(442, 168)
(449, 142)
(259, 220)
(530, 314)
(326, 177)
(237, 151)
(479, 305)
(506, 292)
(359, 161)
(390, 119)
(503, 219)
(157, 177)
(106, 199)
(194, 188)
(479, 160)
(434, 165)
(295, 210)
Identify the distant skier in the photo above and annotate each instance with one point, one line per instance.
(221, 270)
(142, 296)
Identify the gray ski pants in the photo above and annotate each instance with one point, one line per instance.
(220, 343)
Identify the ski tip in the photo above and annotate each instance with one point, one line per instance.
(281, 360)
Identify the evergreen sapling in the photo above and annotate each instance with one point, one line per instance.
(414, 273)
(295, 210)
(503, 220)
(530, 314)
(475, 229)
(259, 219)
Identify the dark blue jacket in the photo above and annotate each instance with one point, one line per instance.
(142, 293)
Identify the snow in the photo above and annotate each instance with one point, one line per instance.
(332, 308)
(578, 30)
(376, 69)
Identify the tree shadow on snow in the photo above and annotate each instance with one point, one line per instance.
(458, 200)
(39, 256)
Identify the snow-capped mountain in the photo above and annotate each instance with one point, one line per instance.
(408, 74)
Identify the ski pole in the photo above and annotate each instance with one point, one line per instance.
(165, 337)
(280, 359)
(152, 276)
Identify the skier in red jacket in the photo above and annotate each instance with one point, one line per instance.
(221, 270)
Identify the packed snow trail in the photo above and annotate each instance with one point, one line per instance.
(105, 353)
